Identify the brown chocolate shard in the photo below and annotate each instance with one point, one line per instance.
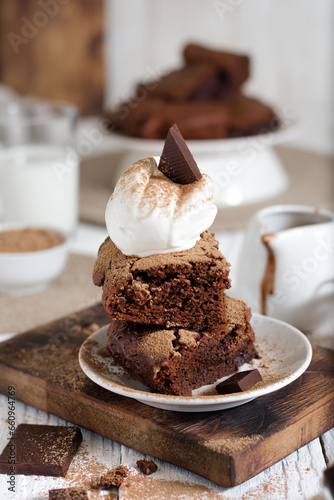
(176, 161)
(76, 493)
(45, 450)
(241, 381)
(114, 477)
(147, 467)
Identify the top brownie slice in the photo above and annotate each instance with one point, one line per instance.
(184, 289)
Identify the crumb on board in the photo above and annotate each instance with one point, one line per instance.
(147, 467)
(113, 477)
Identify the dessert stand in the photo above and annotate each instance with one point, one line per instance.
(243, 170)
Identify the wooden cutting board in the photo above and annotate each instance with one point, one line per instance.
(227, 447)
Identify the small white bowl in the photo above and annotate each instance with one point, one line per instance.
(27, 273)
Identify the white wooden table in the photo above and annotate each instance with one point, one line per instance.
(298, 476)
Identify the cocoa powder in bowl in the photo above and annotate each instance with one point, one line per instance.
(28, 240)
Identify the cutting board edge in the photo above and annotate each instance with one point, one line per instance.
(230, 466)
(296, 433)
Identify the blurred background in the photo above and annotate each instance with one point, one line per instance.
(92, 53)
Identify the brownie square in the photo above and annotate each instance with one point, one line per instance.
(176, 360)
(45, 450)
(235, 67)
(249, 116)
(185, 289)
(197, 82)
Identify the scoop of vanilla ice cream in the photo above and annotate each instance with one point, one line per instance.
(149, 214)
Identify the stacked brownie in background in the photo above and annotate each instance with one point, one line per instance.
(204, 97)
(172, 324)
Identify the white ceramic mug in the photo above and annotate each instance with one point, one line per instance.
(286, 265)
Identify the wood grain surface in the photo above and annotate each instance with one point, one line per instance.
(226, 447)
(54, 50)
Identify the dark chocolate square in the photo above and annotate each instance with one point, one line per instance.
(241, 381)
(176, 161)
(45, 450)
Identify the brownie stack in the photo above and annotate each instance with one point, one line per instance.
(204, 97)
(173, 326)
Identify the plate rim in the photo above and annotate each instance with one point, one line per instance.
(231, 144)
(202, 400)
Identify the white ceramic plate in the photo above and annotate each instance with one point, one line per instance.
(285, 354)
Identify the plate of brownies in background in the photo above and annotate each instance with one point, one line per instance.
(176, 340)
(204, 97)
(226, 128)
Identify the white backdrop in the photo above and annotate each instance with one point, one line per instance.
(290, 42)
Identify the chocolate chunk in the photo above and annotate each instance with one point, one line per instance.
(45, 450)
(68, 494)
(241, 381)
(113, 477)
(176, 161)
(329, 478)
(147, 467)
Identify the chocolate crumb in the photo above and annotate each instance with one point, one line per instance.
(114, 477)
(147, 467)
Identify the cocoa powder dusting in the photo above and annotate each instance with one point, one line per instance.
(188, 337)
(137, 487)
(231, 444)
(84, 468)
(39, 358)
(158, 344)
(28, 240)
(145, 184)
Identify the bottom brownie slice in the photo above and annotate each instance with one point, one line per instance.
(175, 360)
